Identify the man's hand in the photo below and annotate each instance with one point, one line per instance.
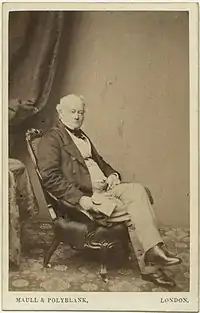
(86, 203)
(112, 181)
(100, 185)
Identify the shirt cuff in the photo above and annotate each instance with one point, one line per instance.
(116, 174)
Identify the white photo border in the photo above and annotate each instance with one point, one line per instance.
(103, 301)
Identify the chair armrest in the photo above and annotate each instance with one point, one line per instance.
(74, 212)
(68, 204)
(76, 208)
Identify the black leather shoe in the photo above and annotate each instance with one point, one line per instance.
(159, 278)
(160, 255)
(167, 252)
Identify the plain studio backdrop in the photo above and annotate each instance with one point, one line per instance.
(133, 70)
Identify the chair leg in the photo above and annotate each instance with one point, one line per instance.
(127, 249)
(54, 245)
(103, 263)
(103, 272)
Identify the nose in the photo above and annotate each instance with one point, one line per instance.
(76, 116)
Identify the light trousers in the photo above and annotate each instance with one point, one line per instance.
(137, 208)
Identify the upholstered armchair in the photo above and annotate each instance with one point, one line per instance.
(75, 227)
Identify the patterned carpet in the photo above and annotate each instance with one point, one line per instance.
(74, 271)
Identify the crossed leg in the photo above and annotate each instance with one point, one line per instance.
(143, 230)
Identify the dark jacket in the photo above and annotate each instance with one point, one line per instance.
(63, 168)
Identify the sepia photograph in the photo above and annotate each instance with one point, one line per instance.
(99, 158)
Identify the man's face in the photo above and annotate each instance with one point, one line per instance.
(72, 113)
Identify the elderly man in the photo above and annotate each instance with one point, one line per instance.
(73, 170)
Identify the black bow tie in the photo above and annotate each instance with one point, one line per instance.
(77, 132)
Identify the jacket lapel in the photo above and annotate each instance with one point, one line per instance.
(69, 145)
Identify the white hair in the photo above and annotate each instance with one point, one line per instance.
(70, 98)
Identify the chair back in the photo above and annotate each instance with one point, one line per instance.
(33, 137)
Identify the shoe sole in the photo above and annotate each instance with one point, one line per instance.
(163, 263)
(171, 264)
(169, 285)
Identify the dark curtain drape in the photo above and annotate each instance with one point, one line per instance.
(33, 57)
(38, 46)
(39, 42)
